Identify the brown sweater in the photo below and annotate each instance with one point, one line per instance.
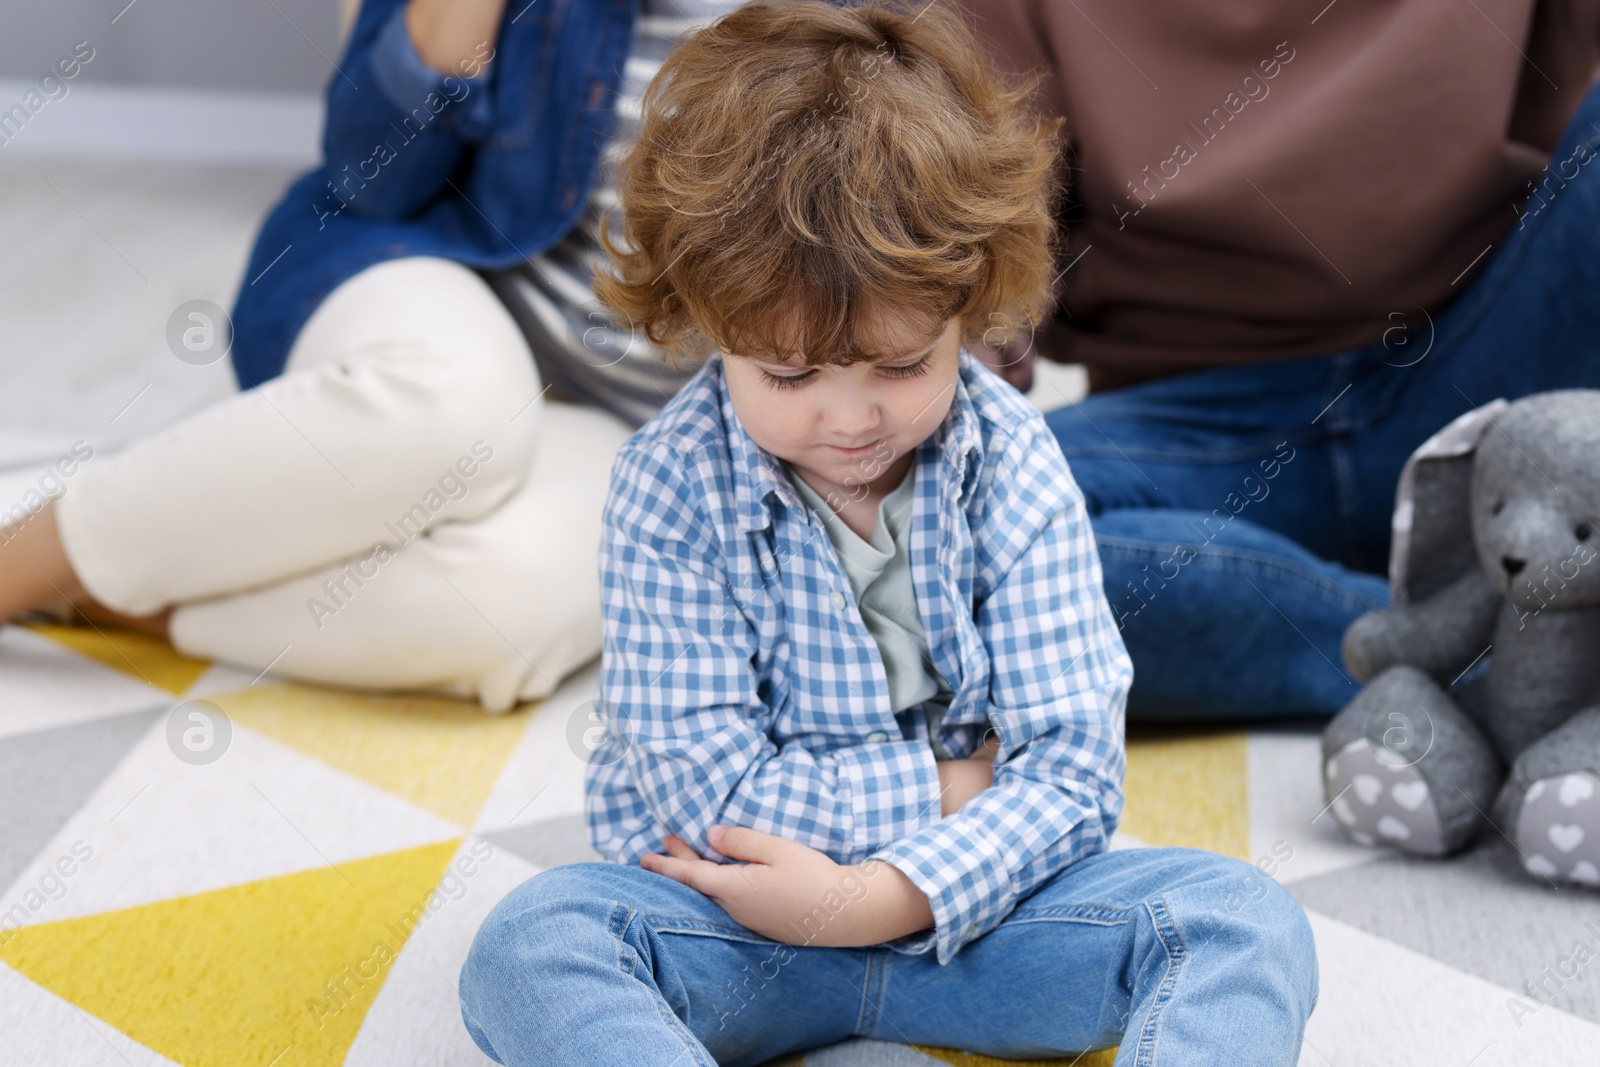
(1253, 180)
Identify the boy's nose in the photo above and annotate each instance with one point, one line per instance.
(855, 434)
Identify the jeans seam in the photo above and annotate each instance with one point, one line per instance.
(1098, 913)
(1167, 931)
(623, 916)
(1342, 463)
(1237, 555)
(696, 927)
(867, 1014)
(1018, 920)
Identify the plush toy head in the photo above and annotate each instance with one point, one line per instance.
(1536, 500)
(1524, 478)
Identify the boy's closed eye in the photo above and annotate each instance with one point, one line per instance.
(915, 368)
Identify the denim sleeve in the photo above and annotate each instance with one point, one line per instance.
(1059, 681)
(680, 690)
(395, 129)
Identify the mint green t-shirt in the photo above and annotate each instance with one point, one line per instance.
(879, 571)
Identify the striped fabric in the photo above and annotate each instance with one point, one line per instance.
(739, 684)
(582, 356)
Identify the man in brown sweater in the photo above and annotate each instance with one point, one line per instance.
(1298, 239)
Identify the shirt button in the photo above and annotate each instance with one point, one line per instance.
(877, 737)
(838, 599)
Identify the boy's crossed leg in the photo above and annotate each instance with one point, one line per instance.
(606, 963)
(1179, 955)
(1175, 955)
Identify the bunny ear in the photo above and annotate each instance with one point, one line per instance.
(1432, 525)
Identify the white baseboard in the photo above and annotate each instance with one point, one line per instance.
(163, 125)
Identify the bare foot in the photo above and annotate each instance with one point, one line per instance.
(97, 614)
(35, 575)
(34, 572)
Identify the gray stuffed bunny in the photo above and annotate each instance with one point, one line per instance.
(1482, 701)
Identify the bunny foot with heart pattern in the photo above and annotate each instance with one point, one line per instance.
(1381, 801)
(1558, 829)
(1550, 804)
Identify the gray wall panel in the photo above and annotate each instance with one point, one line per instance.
(245, 45)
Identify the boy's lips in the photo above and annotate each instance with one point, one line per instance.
(857, 450)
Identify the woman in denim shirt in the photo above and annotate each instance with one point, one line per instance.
(394, 501)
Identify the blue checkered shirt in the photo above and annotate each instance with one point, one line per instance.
(739, 685)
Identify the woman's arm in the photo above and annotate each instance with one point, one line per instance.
(448, 34)
(396, 126)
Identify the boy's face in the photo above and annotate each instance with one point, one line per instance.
(841, 428)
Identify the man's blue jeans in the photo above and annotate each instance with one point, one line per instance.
(1182, 956)
(1243, 514)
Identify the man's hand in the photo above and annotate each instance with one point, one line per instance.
(1013, 360)
(795, 894)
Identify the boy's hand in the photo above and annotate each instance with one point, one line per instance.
(795, 894)
(962, 779)
(989, 748)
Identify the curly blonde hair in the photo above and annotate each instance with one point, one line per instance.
(802, 166)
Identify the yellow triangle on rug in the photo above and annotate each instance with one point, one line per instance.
(278, 972)
(142, 656)
(443, 755)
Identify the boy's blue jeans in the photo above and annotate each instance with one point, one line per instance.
(1249, 625)
(1182, 956)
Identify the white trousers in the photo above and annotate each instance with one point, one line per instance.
(402, 509)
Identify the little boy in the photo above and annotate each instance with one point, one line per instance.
(863, 691)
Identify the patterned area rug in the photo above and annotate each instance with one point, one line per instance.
(299, 886)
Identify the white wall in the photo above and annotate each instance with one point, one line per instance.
(209, 81)
(285, 46)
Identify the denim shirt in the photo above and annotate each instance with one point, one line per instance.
(739, 683)
(489, 171)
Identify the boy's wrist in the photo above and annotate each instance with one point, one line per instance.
(894, 906)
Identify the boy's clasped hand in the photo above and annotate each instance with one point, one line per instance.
(782, 887)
